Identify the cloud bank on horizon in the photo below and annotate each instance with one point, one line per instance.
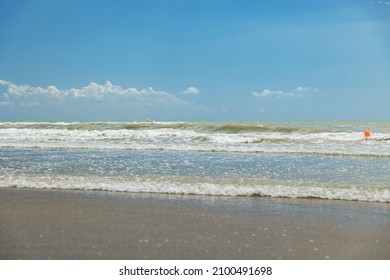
(109, 95)
(29, 96)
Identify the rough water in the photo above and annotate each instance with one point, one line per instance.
(330, 160)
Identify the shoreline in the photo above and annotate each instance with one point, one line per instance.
(71, 224)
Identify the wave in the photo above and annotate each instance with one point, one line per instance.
(246, 137)
(221, 127)
(210, 187)
(245, 128)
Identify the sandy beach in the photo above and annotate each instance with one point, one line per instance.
(57, 224)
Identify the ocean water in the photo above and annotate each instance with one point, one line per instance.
(328, 160)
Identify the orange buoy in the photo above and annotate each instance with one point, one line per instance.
(367, 133)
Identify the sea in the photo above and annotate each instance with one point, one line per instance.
(324, 160)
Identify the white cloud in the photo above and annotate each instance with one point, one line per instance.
(28, 96)
(3, 83)
(191, 90)
(305, 89)
(264, 93)
(276, 93)
(387, 3)
(297, 92)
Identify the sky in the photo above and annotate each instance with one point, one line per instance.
(287, 60)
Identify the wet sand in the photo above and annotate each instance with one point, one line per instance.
(56, 224)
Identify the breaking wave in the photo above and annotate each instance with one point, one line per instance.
(247, 137)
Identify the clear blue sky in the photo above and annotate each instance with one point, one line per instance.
(195, 60)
